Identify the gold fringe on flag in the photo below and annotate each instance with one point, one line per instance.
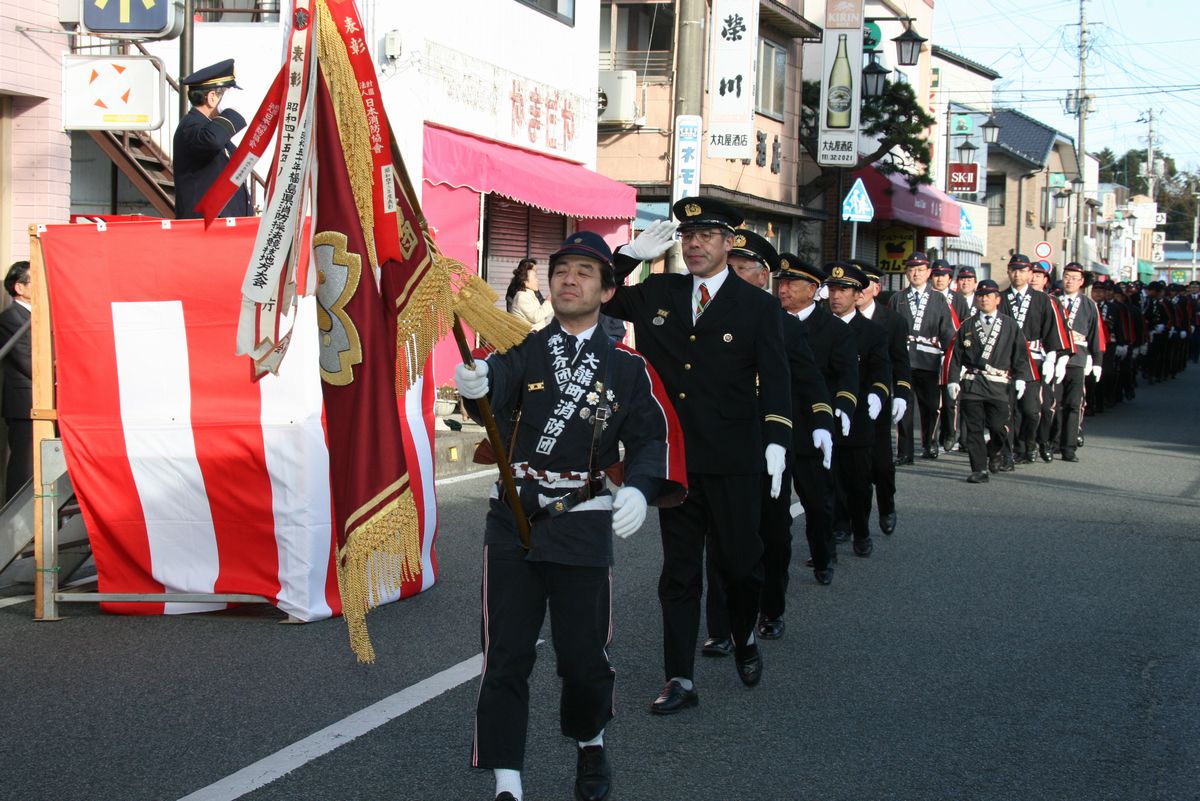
(383, 553)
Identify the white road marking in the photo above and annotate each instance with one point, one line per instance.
(441, 482)
(283, 762)
(16, 599)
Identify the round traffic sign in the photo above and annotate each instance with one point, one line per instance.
(1043, 250)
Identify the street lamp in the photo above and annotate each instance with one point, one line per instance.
(908, 46)
(874, 77)
(991, 130)
(966, 151)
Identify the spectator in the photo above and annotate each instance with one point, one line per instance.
(18, 380)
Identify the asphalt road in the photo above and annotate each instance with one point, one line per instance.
(1034, 638)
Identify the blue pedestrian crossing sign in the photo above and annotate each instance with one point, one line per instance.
(857, 205)
(133, 19)
(964, 223)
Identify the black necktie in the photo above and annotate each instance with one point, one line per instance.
(987, 320)
(572, 345)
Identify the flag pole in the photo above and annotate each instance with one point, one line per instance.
(464, 349)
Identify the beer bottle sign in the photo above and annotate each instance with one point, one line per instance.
(841, 89)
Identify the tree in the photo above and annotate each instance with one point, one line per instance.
(896, 121)
(1173, 189)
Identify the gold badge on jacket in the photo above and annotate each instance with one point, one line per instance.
(660, 317)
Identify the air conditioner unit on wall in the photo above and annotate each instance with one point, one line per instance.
(618, 96)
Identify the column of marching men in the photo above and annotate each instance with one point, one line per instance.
(734, 398)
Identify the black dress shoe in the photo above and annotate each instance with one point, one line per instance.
(592, 774)
(903, 460)
(1069, 456)
(863, 547)
(506, 796)
(1007, 465)
(749, 665)
(929, 454)
(1044, 452)
(717, 646)
(674, 698)
(887, 523)
(980, 477)
(841, 536)
(824, 576)
(770, 628)
(1027, 457)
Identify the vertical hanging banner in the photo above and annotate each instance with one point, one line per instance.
(685, 166)
(733, 45)
(841, 84)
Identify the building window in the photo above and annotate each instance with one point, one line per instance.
(996, 185)
(561, 10)
(637, 36)
(772, 79)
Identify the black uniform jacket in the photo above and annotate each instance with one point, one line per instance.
(897, 333)
(836, 353)
(727, 374)
(1042, 323)
(959, 306)
(201, 151)
(928, 342)
(18, 364)
(557, 399)
(811, 399)
(874, 375)
(1083, 325)
(985, 367)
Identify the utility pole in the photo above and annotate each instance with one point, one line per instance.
(689, 80)
(1150, 156)
(1081, 153)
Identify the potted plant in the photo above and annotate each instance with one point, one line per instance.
(446, 401)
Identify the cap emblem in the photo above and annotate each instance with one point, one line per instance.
(692, 210)
(837, 272)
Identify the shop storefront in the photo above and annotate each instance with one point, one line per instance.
(491, 205)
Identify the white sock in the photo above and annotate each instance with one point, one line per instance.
(684, 683)
(597, 740)
(508, 781)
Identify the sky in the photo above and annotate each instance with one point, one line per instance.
(1142, 57)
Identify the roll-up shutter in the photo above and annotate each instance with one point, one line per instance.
(514, 231)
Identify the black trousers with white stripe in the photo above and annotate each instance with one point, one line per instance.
(516, 594)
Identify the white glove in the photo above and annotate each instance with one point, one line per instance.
(776, 457)
(1020, 384)
(1142, 349)
(1122, 350)
(472, 384)
(1048, 367)
(629, 511)
(1183, 334)
(1158, 329)
(1096, 372)
(952, 390)
(1060, 369)
(838, 413)
(796, 509)
(1087, 366)
(874, 406)
(653, 242)
(899, 407)
(823, 441)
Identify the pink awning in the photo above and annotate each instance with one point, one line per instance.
(928, 208)
(550, 184)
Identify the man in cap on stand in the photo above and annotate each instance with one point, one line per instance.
(989, 354)
(930, 328)
(883, 468)
(836, 352)
(572, 396)
(852, 451)
(753, 258)
(1046, 336)
(1083, 325)
(202, 144)
(718, 344)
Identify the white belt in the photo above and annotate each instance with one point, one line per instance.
(928, 349)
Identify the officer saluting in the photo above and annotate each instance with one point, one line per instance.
(202, 147)
(718, 344)
(573, 395)
(989, 354)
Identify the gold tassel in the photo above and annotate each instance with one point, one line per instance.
(475, 303)
(380, 554)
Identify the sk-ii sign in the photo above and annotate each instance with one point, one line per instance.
(963, 178)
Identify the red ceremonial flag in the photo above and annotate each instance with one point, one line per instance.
(374, 512)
